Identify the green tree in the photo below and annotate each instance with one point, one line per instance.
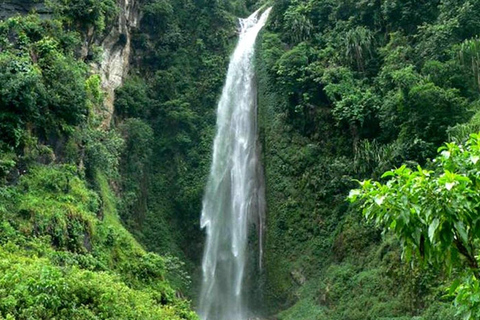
(43, 87)
(434, 213)
(358, 43)
(85, 13)
(469, 57)
(297, 22)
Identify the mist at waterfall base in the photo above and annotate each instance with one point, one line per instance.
(234, 200)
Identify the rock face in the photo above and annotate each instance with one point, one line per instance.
(10, 8)
(117, 52)
(116, 44)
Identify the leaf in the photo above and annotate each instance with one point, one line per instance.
(454, 286)
(432, 229)
(449, 185)
(388, 174)
(379, 200)
(460, 227)
(393, 224)
(354, 193)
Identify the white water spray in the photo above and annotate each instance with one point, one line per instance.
(234, 198)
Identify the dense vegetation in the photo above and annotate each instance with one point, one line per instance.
(347, 90)
(434, 214)
(64, 253)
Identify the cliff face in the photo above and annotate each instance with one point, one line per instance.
(9, 8)
(117, 52)
(116, 44)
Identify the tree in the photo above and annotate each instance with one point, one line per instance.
(42, 86)
(297, 22)
(469, 57)
(358, 43)
(85, 13)
(434, 213)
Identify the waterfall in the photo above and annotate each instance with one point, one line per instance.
(234, 199)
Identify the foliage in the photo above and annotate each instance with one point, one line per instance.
(131, 99)
(297, 22)
(359, 44)
(433, 212)
(64, 253)
(33, 288)
(84, 14)
(43, 86)
(60, 260)
(359, 87)
(360, 56)
(102, 150)
(469, 56)
(136, 168)
(354, 101)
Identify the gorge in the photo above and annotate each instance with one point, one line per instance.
(108, 113)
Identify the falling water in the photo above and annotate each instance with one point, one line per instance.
(234, 197)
